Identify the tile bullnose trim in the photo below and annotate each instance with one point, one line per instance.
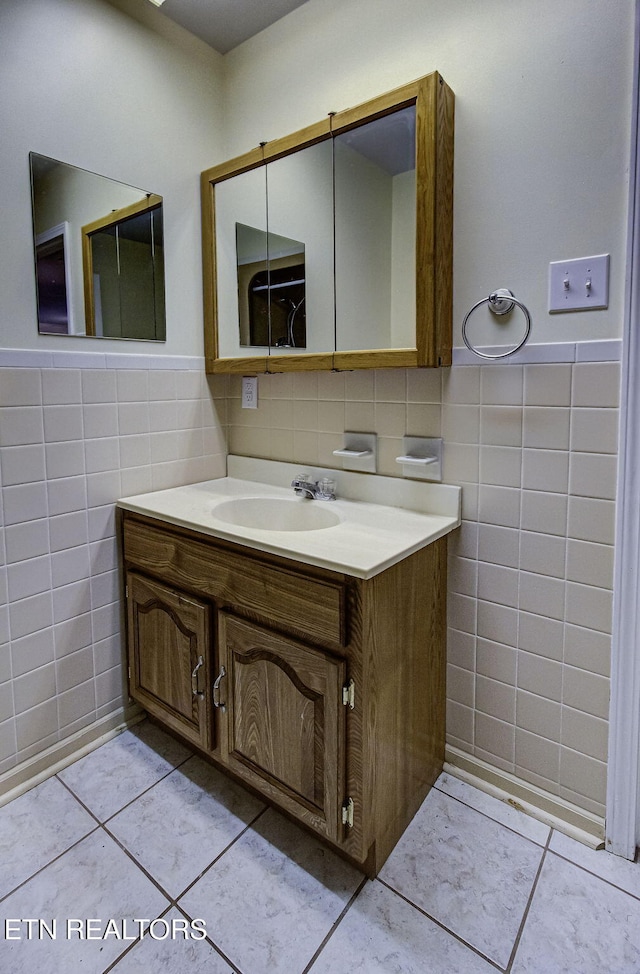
(32, 358)
(16, 781)
(550, 809)
(609, 350)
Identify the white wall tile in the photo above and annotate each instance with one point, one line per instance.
(70, 565)
(67, 494)
(27, 502)
(591, 520)
(547, 385)
(32, 651)
(540, 676)
(588, 649)
(497, 661)
(502, 387)
(498, 584)
(100, 419)
(29, 577)
(60, 386)
(26, 540)
(543, 553)
(20, 387)
(590, 563)
(62, 423)
(594, 430)
(499, 505)
(30, 615)
(542, 594)
(589, 607)
(593, 475)
(540, 635)
(596, 384)
(546, 470)
(99, 386)
(586, 691)
(499, 545)
(22, 464)
(546, 428)
(544, 513)
(501, 466)
(64, 459)
(21, 425)
(133, 385)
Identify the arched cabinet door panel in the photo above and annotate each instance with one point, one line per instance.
(283, 724)
(169, 651)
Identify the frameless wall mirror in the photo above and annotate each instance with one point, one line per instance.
(332, 248)
(99, 254)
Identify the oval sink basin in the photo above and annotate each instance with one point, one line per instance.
(276, 514)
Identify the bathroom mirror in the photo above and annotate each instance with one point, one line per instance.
(99, 254)
(375, 233)
(360, 208)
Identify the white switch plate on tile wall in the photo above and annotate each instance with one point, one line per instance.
(579, 285)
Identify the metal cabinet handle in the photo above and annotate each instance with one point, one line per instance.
(216, 690)
(194, 679)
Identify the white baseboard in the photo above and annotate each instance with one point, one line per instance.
(553, 811)
(25, 776)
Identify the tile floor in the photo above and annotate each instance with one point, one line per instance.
(141, 830)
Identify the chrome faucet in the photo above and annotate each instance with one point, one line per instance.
(315, 490)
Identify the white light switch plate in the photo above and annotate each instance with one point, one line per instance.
(249, 391)
(579, 285)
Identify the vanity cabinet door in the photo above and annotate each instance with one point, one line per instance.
(282, 728)
(168, 635)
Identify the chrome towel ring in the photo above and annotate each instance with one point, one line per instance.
(500, 302)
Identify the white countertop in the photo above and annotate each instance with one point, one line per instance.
(369, 537)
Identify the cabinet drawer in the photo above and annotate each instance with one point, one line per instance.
(289, 598)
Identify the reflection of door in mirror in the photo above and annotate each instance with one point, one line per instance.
(300, 222)
(375, 228)
(271, 291)
(53, 270)
(66, 199)
(123, 273)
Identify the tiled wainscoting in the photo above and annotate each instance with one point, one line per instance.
(73, 440)
(535, 449)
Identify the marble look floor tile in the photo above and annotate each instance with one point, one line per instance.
(110, 777)
(95, 879)
(383, 934)
(178, 827)
(37, 827)
(174, 955)
(620, 872)
(467, 872)
(289, 887)
(498, 810)
(578, 923)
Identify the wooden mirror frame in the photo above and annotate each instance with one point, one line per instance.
(434, 103)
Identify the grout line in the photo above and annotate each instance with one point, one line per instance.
(602, 879)
(49, 863)
(525, 915)
(439, 923)
(497, 822)
(335, 926)
(217, 949)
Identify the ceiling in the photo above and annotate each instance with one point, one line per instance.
(223, 24)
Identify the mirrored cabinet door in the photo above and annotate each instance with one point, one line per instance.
(241, 260)
(375, 238)
(300, 246)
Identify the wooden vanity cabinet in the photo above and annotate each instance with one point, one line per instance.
(322, 692)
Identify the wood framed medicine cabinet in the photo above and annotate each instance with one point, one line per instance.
(335, 242)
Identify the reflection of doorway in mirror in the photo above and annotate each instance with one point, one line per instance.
(53, 270)
(271, 289)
